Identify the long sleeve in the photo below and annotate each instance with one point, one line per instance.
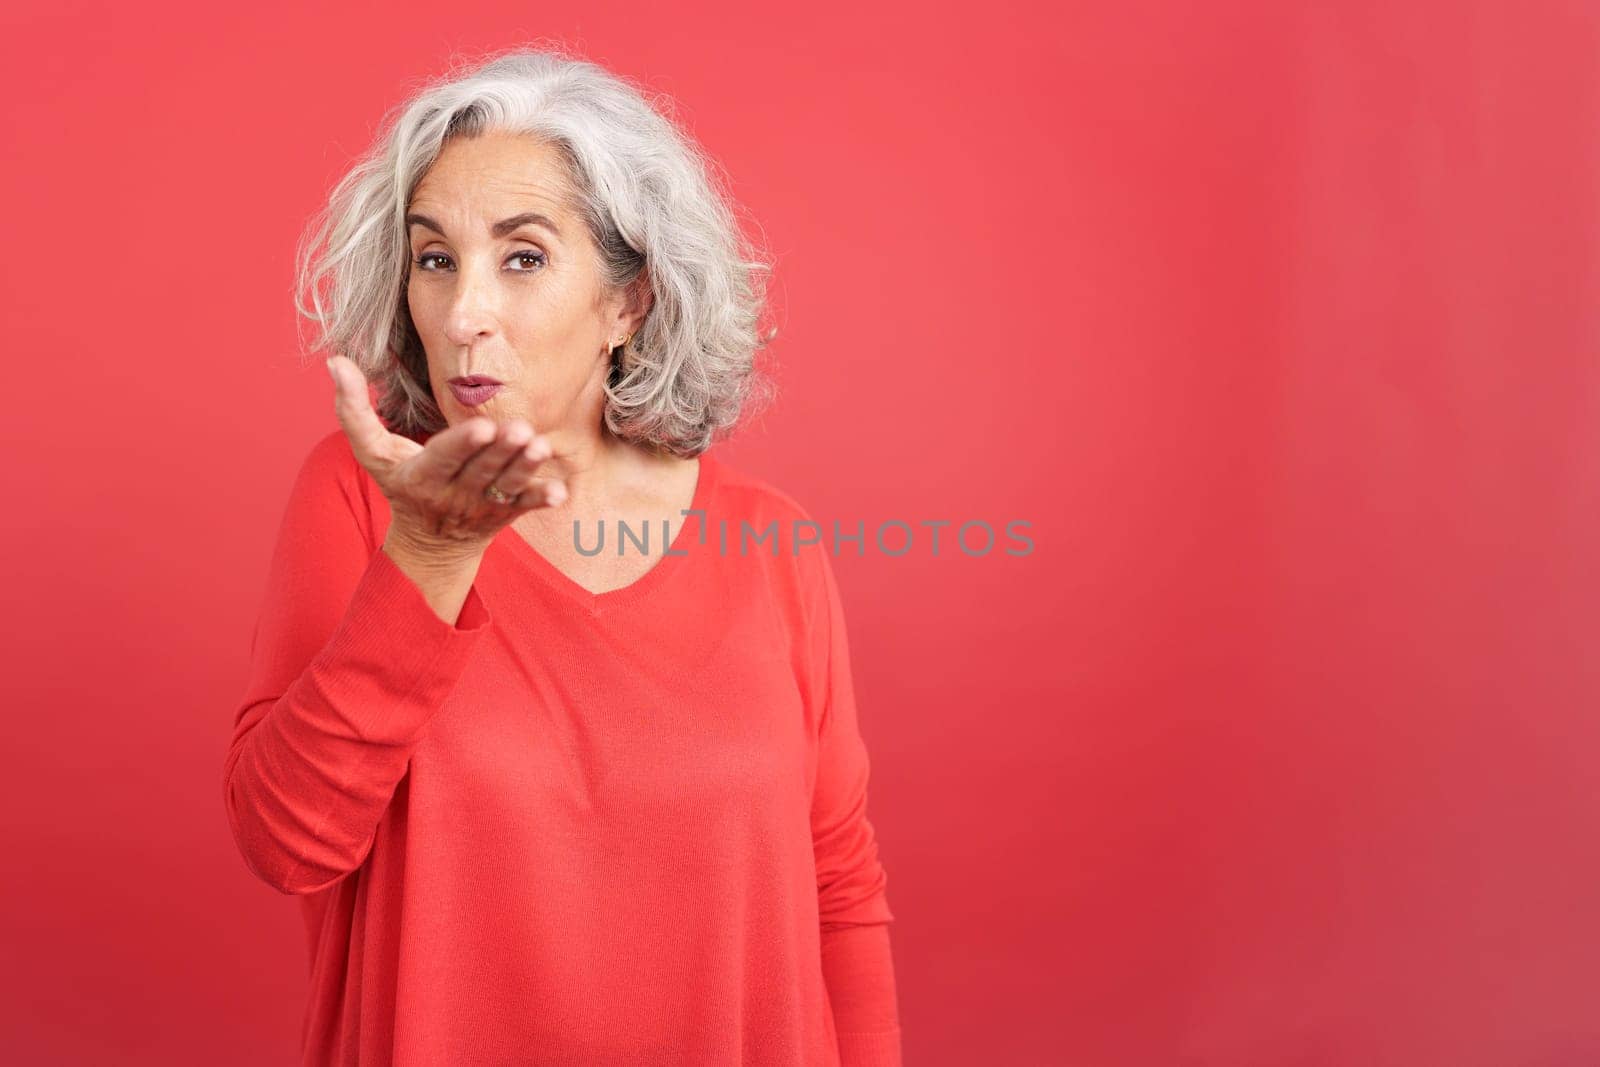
(858, 966)
(348, 665)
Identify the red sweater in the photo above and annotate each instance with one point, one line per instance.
(624, 828)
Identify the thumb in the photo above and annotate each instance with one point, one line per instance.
(353, 407)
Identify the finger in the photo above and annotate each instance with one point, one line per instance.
(353, 407)
(450, 450)
(521, 466)
(486, 465)
(541, 493)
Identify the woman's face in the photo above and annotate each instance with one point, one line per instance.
(504, 283)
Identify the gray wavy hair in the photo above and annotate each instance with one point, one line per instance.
(647, 194)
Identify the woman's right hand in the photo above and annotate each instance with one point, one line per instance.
(436, 491)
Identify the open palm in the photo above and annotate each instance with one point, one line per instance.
(437, 491)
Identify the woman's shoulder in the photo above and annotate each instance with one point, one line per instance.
(770, 523)
(331, 452)
(740, 494)
(331, 486)
(330, 462)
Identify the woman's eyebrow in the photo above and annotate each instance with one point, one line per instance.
(500, 229)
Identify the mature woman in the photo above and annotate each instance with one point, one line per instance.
(541, 804)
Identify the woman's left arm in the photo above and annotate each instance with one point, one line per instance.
(856, 959)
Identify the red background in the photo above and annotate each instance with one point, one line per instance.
(1277, 321)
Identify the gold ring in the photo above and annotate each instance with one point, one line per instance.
(494, 493)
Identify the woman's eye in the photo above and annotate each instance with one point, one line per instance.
(528, 258)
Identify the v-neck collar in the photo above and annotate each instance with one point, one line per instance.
(687, 528)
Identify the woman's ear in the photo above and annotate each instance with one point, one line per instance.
(639, 302)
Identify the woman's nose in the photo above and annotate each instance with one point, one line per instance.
(472, 310)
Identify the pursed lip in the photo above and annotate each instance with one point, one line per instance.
(474, 390)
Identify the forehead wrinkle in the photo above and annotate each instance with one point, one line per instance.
(515, 198)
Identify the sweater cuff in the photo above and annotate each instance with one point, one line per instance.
(392, 661)
(870, 1050)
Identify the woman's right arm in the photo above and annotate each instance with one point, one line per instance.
(358, 645)
(352, 656)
